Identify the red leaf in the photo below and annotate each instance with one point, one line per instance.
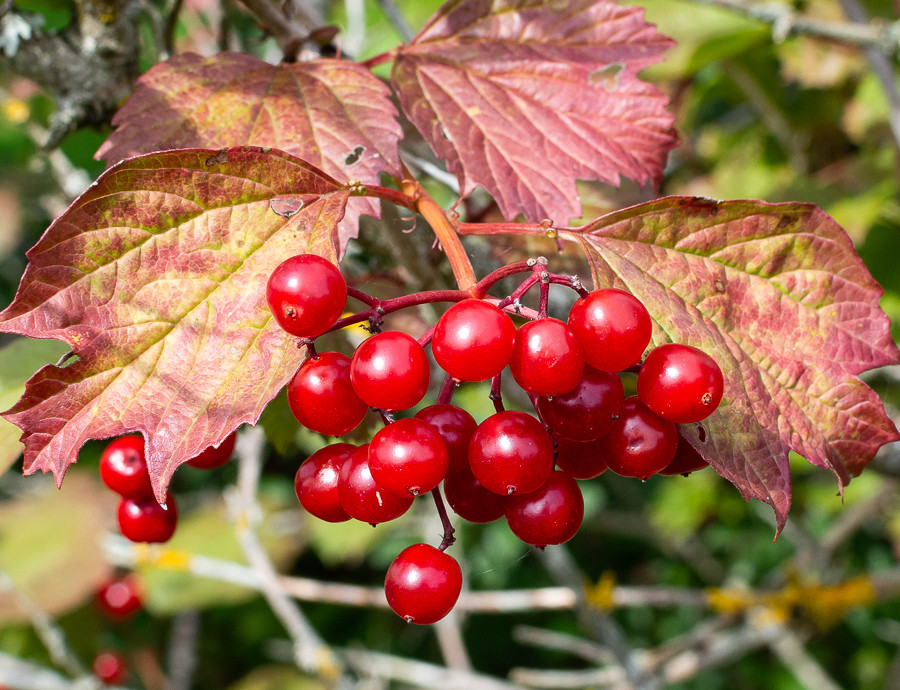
(524, 96)
(156, 278)
(333, 114)
(778, 296)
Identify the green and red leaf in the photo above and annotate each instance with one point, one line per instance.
(778, 296)
(524, 96)
(156, 278)
(333, 114)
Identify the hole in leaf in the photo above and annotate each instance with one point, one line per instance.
(701, 434)
(353, 157)
(607, 77)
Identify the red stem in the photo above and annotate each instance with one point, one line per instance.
(496, 396)
(381, 58)
(448, 537)
(447, 388)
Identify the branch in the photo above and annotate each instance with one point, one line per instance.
(291, 33)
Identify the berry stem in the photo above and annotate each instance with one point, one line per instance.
(545, 295)
(496, 396)
(362, 297)
(449, 531)
(446, 392)
(392, 195)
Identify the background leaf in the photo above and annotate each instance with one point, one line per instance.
(156, 277)
(778, 296)
(333, 114)
(523, 96)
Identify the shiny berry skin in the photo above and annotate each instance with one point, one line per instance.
(422, 584)
(639, 443)
(120, 599)
(613, 327)
(680, 383)
(473, 340)
(581, 459)
(511, 452)
(585, 412)
(123, 467)
(322, 398)
(316, 482)
(408, 457)
(547, 358)
(306, 295)
(456, 427)
(551, 514)
(686, 460)
(470, 500)
(361, 497)
(145, 520)
(110, 667)
(215, 456)
(390, 371)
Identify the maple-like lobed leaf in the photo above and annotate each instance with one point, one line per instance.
(333, 114)
(156, 278)
(778, 296)
(524, 96)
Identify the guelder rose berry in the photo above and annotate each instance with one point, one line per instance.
(511, 452)
(639, 442)
(680, 383)
(322, 398)
(390, 371)
(408, 457)
(473, 340)
(123, 467)
(422, 584)
(551, 514)
(316, 482)
(306, 295)
(613, 327)
(547, 358)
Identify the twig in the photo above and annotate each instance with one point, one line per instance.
(397, 19)
(183, 650)
(562, 642)
(310, 652)
(288, 32)
(790, 650)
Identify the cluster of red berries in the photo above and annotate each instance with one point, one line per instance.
(512, 464)
(119, 599)
(123, 468)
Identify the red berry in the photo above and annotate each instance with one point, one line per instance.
(456, 427)
(581, 459)
(361, 497)
(613, 327)
(120, 598)
(215, 456)
(473, 340)
(123, 467)
(145, 520)
(547, 358)
(422, 584)
(511, 452)
(686, 459)
(680, 383)
(110, 667)
(316, 482)
(639, 443)
(550, 515)
(390, 371)
(408, 457)
(322, 398)
(469, 499)
(306, 295)
(585, 412)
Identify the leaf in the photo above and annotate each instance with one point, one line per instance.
(333, 114)
(156, 278)
(777, 295)
(523, 96)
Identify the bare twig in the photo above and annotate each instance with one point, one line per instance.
(397, 19)
(183, 650)
(290, 31)
(790, 650)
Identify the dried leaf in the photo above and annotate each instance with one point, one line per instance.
(778, 296)
(523, 96)
(333, 114)
(156, 278)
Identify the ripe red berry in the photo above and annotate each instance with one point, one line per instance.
(306, 295)
(120, 598)
(473, 340)
(408, 457)
(456, 427)
(110, 667)
(123, 467)
(680, 383)
(316, 482)
(686, 460)
(422, 584)
(613, 327)
(469, 499)
(215, 456)
(511, 452)
(145, 520)
(390, 371)
(639, 443)
(585, 412)
(361, 497)
(581, 459)
(547, 358)
(322, 398)
(551, 514)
